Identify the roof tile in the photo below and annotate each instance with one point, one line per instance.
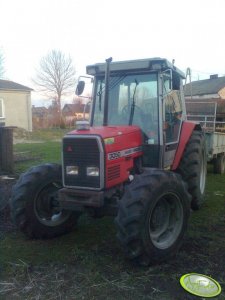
(205, 87)
(10, 85)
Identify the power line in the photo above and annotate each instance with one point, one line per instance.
(201, 75)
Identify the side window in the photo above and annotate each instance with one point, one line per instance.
(2, 109)
(173, 115)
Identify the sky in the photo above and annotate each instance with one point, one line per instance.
(191, 32)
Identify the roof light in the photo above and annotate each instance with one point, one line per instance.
(82, 125)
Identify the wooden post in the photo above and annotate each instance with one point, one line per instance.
(6, 149)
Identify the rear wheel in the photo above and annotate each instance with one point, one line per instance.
(193, 168)
(34, 204)
(219, 164)
(152, 216)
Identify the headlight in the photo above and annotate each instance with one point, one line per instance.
(71, 170)
(92, 171)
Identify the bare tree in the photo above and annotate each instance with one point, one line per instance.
(56, 75)
(2, 62)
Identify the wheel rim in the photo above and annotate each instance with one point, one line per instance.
(166, 221)
(203, 173)
(45, 206)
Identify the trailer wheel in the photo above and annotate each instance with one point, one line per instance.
(34, 205)
(152, 216)
(219, 164)
(193, 168)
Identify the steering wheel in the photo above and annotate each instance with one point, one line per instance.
(127, 109)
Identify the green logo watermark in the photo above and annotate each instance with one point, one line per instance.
(200, 285)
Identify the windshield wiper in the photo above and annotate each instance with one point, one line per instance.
(133, 104)
(100, 97)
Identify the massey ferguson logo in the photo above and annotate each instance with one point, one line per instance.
(126, 152)
(114, 155)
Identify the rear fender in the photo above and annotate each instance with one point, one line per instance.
(186, 132)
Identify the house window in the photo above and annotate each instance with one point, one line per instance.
(2, 110)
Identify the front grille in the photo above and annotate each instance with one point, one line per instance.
(82, 152)
(113, 172)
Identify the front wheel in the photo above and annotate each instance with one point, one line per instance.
(34, 203)
(152, 216)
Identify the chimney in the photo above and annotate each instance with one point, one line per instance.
(214, 76)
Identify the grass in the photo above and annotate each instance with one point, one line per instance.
(37, 153)
(41, 146)
(89, 264)
(43, 134)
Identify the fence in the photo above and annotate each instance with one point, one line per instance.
(6, 149)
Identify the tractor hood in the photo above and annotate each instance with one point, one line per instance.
(115, 138)
(107, 131)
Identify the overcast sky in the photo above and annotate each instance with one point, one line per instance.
(191, 32)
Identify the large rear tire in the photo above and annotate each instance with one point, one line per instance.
(193, 168)
(34, 203)
(152, 216)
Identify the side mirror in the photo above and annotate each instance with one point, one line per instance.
(80, 88)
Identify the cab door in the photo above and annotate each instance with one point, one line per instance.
(172, 116)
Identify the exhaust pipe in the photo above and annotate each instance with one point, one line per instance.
(106, 97)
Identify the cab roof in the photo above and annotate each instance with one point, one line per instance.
(151, 64)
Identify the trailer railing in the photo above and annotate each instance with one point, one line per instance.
(206, 124)
(205, 113)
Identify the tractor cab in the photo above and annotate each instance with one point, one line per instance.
(147, 93)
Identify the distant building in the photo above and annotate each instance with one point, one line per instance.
(210, 91)
(15, 105)
(76, 111)
(212, 88)
(39, 117)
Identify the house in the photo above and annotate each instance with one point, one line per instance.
(212, 88)
(39, 117)
(206, 96)
(75, 111)
(15, 105)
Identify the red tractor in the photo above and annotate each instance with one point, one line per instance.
(138, 159)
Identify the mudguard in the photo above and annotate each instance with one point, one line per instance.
(186, 132)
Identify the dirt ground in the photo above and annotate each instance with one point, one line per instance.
(109, 275)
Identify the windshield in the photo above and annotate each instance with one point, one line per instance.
(132, 101)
